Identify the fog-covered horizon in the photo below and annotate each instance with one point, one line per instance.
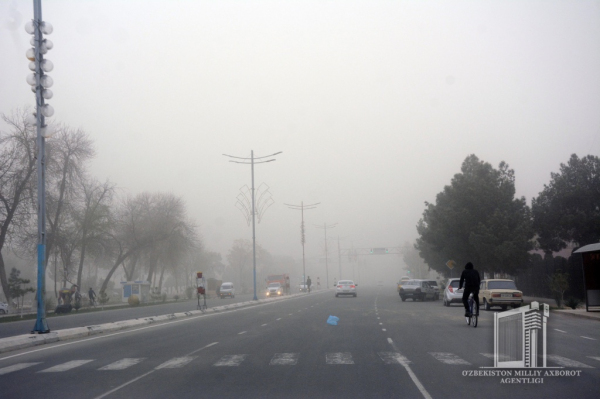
(373, 104)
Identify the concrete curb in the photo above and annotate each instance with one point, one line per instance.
(580, 315)
(30, 340)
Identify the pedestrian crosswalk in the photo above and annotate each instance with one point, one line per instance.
(288, 359)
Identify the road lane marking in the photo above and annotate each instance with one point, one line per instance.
(565, 362)
(593, 339)
(591, 357)
(289, 314)
(122, 364)
(339, 358)
(176, 362)
(380, 324)
(16, 367)
(412, 375)
(144, 375)
(243, 332)
(66, 366)
(230, 361)
(262, 325)
(448, 358)
(383, 329)
(284, 359)
(393, 358)
(279, 318)
(556, 329)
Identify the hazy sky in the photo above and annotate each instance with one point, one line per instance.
(375, 104)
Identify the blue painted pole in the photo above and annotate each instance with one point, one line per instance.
(41, 326)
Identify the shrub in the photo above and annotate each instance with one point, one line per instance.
(49, 303)
(176, 297)
(133, 300)
(164, 297)
(573, 302)
(103, 298)
(189, 291)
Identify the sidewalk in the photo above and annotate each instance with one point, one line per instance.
(579, 312)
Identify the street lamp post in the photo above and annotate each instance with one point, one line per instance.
(301, 208)
(252, 162)
(325, 227)
(40, 84)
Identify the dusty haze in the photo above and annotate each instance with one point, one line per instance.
(375, 104)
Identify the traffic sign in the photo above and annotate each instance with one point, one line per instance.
(451, 264)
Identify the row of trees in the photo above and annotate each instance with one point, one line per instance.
(89, 226)
(477, 217)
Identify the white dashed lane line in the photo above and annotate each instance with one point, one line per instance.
(556, 329)
(278, 318)
(262, 325)
(593, 339)
(383, 329)
(243, 332)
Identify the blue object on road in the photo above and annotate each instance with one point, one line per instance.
(333, 320)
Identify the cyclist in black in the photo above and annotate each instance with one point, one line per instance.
(471, 280)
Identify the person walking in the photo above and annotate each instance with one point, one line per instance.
(308, 283)
(92, 297)
(470, 280)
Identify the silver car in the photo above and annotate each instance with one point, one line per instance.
(452, 294)
(345, 287)
(3, 308)
(274, 289)
(416, 289)
(227, 289)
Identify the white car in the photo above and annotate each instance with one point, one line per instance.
(3, 308)
(345, 287)
(274, 289)
(227, 289)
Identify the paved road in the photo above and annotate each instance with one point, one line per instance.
(382, 347)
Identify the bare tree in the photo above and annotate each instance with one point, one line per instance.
(17, 166)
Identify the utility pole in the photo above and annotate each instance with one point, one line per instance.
(301, 208)
(325, 227)
(252, 162)
(339, 257)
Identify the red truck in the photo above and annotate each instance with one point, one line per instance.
(283, 279)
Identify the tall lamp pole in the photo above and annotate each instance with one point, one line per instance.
(252, 160)
(301, 208)
(325, 227)
(40, 84)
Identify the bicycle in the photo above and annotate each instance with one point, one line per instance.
(473, 310)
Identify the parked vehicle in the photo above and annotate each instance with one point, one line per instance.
(499, 292)
(3, 308)
(451, 293)
(303, 287)
(434, 285)
(275, 289)
(345, 287)
(227, 290)
(416, 289)
(403, 280)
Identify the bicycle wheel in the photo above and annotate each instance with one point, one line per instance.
(475, 317)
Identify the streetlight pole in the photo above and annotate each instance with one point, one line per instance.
(252, 162)
(325, 227)
(301, 208)
(40, 84)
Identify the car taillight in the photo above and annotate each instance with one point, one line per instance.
(517, 294)
(450, 289)
(339, 286)
(352, 286)
(495, 295)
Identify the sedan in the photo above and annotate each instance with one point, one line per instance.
(499, 292)
(345, 287)
(3, 308)
(452, 294)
